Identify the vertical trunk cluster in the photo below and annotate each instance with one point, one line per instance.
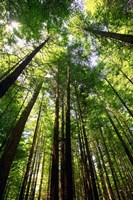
(12, 144)
(100, 154)
(67, 190)
(108, 154)
(25, 179)
(120, 138)
(36, 163)
(89, 156)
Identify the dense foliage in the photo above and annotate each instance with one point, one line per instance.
(66, 129)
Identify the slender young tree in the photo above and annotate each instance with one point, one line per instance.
(15, 136)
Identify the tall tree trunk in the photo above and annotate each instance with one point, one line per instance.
(94, 187)
(62, 152)
(101, 174)
(88, 188)
(85, 170)
(9, 104)
(120, 138)
(9, 80)
(21, 197)
(111, 35)
(8, 71)
(125, 75)
(11, 148)
(68, 153)
(48, 185)
(122, 101)
(123, 130)
(110, 164)
(122, 120)
(35, 177)
(124, 188)
(14, 122)
(32, 168)
(111, 194)
(54, 189)
(42, 175)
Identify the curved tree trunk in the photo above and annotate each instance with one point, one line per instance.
(9, 80)
(11, 148)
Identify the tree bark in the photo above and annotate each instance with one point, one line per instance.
(11, 148)
(11, 78)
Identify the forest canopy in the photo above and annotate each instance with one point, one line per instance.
(66, 106)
